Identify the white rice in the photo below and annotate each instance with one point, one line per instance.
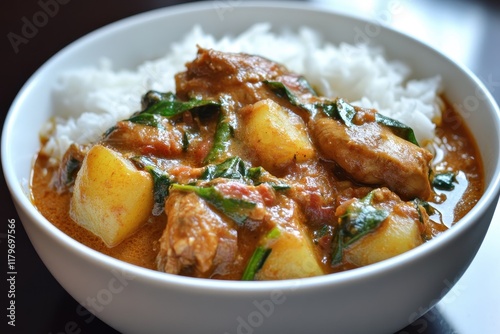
(88, 101)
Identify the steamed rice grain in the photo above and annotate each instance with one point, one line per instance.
(88, 101)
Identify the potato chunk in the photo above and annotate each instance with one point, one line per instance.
(395, 236)
(401, 231)
(292, 251)
(276, 135)
(292, 256)
(111, 198)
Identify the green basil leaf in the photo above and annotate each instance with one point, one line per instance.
(338, 248)
(159, 105)
(260, 255)
(399, 129)
(361, 218)
(235, 169)
(255, 263)
(283, 92)
(71, 169)
(418, 203)
(235, 208)
(339, 109)
(223, 133)
(161, 182)
(173, 108)
(255, 173)
(444, 181)
(259, 175)
(153, 97)
(146, 119)
(185, 142)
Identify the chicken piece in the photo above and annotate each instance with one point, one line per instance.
(235, 76)
(143, 139)
(373, 155)
(196, 240)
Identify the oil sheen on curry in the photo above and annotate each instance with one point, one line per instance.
(245, 173)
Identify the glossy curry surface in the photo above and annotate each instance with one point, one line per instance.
(256, 177)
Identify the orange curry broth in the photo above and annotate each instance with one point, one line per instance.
(454, 140)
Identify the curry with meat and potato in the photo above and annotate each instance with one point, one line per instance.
(246, 173)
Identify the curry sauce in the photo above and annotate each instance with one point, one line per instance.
(310, 191)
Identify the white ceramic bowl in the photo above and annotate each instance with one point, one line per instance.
(380, 298)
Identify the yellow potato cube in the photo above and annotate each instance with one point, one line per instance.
(394, 236)
(292, 256)
(111, 198)
(276, 135)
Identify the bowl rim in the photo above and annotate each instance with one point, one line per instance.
(22, 201)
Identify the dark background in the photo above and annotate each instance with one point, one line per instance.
(42, 306)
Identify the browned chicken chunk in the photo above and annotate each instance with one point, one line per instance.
(237, 78)
(373, 155)
(164, 142)
(196, 240)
